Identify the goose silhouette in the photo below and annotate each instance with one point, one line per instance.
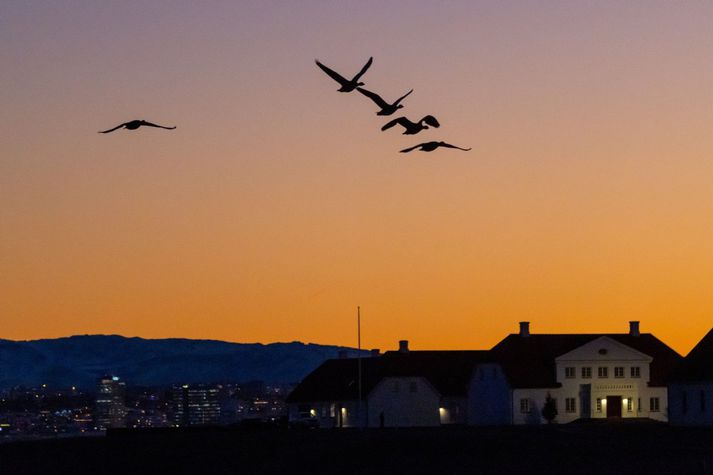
(386, 108)
(348, 85)
(431, 146)
(135, 124)
(413, 127)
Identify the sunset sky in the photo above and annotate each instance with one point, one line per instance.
(277, 205)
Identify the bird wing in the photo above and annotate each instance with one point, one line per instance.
(363, 70)
(332, 74)
(402, 97)
(407, 150)
(149, 124)
(403, 121)
(432, 121)
(443, 144)
(374, 97)
(112, 130)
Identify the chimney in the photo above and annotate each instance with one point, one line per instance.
(342, 354)
(403, 346)
(524, 328)
(634, 328)
(375, 352)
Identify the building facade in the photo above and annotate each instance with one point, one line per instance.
(398, 389)
(195, 405)
(690, 391)
(589, 376)
(110, 406)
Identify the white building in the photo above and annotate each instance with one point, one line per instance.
(594, 376)
(690, 390)
(590, 376)
(399, 389)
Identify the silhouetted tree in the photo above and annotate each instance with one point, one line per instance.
(549, 410)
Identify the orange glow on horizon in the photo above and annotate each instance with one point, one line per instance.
(277, 205)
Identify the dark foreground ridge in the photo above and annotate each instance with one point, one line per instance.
(624, 448)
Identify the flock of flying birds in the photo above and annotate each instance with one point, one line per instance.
(410, 128)
(348, 85)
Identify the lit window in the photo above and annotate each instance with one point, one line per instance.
(569, 372)
(586, 372)
(635, 372)
(629, 404)
(524, 405)
(413, 387)
(570, 404)
(654, 404)
(618, 371)
(599, 404)
(603, 372)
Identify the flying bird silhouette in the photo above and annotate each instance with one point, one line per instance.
(348, 85)
(431, 146)
(386, 108)
(413, 127)
(135, 124)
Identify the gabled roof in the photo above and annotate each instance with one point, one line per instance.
(337, 380)
(448, 371)
(529, 362)
(697, 366)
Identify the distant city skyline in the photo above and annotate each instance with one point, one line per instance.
(278, 205)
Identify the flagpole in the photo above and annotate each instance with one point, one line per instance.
(359, 412)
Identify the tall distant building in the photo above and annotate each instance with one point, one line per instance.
(195, 404)
(110, 409)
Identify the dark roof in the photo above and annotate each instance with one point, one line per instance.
(529, 362)
(448, 371)
(697, 366)
(337, 380)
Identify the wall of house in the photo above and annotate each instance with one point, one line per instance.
(691, 404)
(535, 398)
(453, 410)
(598, 390)
(326, 414)
(489, 396)
(404, 402)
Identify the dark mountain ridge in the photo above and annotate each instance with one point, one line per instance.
(79, 360)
